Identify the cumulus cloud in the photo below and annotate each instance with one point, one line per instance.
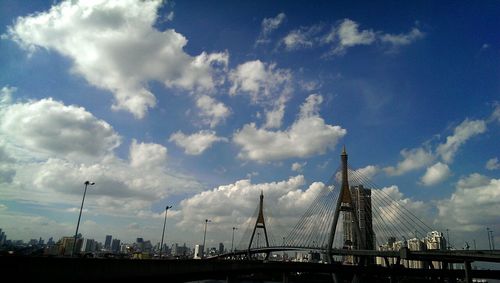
(402, 38)
(49, 149)
(308, 135)
(196, 143)
(474, 204)
(268, 26)
(344, 35)
(413, 159)
(50, 128)
(114, 46)
(264, 83)
(302, 38)
(6, 94)
(496, 113)
(274, 117)
(493, 164)
(297, 166)
(289, 201)
(147, 155)
(435, 174)
(349, 35)
(463, 132)
(368, 172)
(212, 111)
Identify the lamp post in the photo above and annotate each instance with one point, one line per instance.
(448, 239)
(204, 237)
(80, 216)
(492, 240)
(489, 238)
(163, 233)
(232, 240)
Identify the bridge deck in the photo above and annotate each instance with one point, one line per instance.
(28, 269)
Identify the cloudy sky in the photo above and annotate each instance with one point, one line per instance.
(204, 105)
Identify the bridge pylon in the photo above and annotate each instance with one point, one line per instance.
(345, 205)
(259, 224)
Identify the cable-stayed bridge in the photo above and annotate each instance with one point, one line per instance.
(356, 231)
(353, 222)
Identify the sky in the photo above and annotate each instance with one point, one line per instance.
(202, 105)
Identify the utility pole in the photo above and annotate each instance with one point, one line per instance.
(163, 233)
(232, 240)
(489, 239)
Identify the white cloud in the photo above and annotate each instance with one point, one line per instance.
(114, 46)
(268, 26)
(147, 155)
(48, 150)
(304, 37)
(197, 143)
(285, 199)
(212, 111)
(496, 113)
(274, 118)
(6, 94)
(349, 35)
(463, 132)
(435, 174)
(264, 83)
(403, 38)
(297, 167)
(492, 164)
(368, 172)
(49, 128)
(413, 159)
(474, 204)
(307, 136)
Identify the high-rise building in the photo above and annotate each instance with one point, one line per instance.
(107, 243)
(115, 246)
(89, 245)
(362, 202)
(221, 248)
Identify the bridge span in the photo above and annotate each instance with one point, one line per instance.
(43, 269)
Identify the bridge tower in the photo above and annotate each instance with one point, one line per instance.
(260, 223)
(346, 205)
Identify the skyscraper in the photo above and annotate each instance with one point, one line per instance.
(115, 246)
(107, 243)
(362, 206)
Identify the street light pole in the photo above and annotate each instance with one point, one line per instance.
(448, 239)
(204, 237)
(492, 240)
(489, 239)
(232, 240)
(163, 233)
(80, 216)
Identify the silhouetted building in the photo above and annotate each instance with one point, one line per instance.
(89, 245)
(221, 248)
(115, 246)
(362, 202)
(107, 243)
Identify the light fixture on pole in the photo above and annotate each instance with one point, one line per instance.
(163, 233)
(489, 238)
(232, 240)
(204, 237)
(79, 216)
(448, 239)
(492, 240)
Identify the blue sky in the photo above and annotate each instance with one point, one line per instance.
(202, 105)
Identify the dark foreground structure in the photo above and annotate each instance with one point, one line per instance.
(43, 269)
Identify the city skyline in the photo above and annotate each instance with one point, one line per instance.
(204, 106)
